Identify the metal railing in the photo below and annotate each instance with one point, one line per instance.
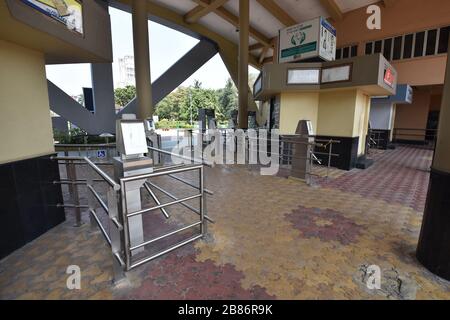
(377, 139)
(116, 230)
(425, 138)
(149, 185)
(320, 151)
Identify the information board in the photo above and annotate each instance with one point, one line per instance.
(68, 12)
(311, 39)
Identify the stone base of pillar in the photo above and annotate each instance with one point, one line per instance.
(433, 249)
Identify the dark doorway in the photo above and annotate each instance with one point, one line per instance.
(272, 114)
(432, 125)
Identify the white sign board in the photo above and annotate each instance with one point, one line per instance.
(134, 139)
(312, 39)
(336, 74)
(303, 76)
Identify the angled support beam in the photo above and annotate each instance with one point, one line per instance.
(103, 120)
(263, 54)
(174, 20)
(199, 11)
(333, 9)
(281, 15)
(178, 73)
(256, 46)
(234, 20)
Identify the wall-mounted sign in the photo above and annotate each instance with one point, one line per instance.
(68, 12)
(336, 74)
(389, 77)
(312, 39)
(101, 154)
(303, 76)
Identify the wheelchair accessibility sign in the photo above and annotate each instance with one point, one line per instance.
(101, 154)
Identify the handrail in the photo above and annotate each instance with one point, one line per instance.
(88, 145)
(167, 193)
(180, 156)
(136, 213)
(107, 178)
(102, 229)
(161, 173)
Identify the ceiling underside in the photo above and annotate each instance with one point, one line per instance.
(266, 16)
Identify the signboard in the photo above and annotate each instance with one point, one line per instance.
(134, 139)
(312, 39)
(303, 76)
(68, 12)
(101, 154)
(389, 77)
(336, 74)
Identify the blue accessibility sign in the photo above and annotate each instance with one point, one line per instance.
(101, 154)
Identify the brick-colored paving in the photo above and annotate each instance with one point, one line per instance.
(273, 238)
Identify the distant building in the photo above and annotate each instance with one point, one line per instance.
(126, 71)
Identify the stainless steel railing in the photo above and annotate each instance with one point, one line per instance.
(130, 264)
(115, 230)
(320, 151)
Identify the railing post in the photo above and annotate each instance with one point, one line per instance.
(91, 200)
(116, 234)
(202, 202)
(73, 189)
(329, 157)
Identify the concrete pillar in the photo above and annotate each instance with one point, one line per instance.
(142, 59)
(244, 16)
(433, 250)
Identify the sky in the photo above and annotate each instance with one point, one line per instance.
(166, 47)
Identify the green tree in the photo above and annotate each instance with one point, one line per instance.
(227, 101)
(123, 96)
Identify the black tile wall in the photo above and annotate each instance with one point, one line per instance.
(29, 200)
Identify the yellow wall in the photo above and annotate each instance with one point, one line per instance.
(413, 116)
(25, 125)
(298, 106)
(336, 113)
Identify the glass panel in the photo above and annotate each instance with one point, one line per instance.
(407, 51)
(397, 48)
(387, 49)
(418, 48)
(431, 42)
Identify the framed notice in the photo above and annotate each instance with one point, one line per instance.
(134, 139)
(67, 12)
(337, 74)
(303, 76)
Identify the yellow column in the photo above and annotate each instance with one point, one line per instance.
(142, 59)
(244, 16)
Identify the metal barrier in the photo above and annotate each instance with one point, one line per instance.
(320, 147)
(425, 138)
(115, 206)
(377, 138)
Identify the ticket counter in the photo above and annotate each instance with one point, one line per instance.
(334, 96)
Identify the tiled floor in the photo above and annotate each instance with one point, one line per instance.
(273, 238)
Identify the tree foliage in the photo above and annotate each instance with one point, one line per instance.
(123, 96)
(183, 103)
